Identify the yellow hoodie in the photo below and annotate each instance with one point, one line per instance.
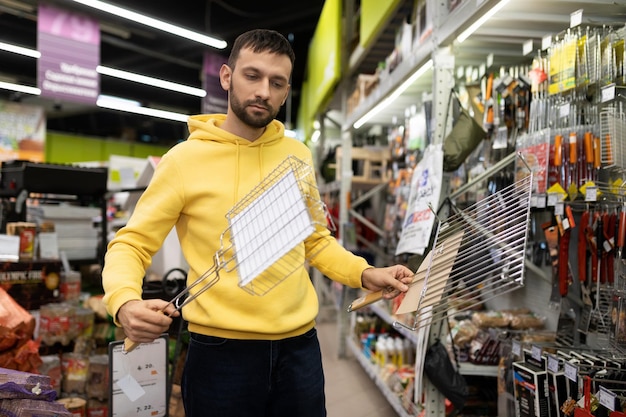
(195, 184)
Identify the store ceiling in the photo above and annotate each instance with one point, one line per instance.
(136, 48)
(132, 47)
(502, 37)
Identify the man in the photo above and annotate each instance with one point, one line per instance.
(248, 355)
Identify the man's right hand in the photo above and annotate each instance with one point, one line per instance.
(145, 320)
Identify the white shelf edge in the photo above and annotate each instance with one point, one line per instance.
(470, 369)
(387, 85)
(380, 312)
(372, 372)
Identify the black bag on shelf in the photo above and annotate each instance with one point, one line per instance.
(465, 136)
(443, 375)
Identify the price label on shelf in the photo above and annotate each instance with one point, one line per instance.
(553, 364)
(608, 93)
(607, 398)
(536, 352)
(576, 18)
(591, 194)
(571, 371)
(516, 348)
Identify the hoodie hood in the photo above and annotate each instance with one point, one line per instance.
(208, 127)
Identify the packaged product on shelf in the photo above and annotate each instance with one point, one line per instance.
(489, 319)
(84, 320)
(70, 285)
(32, 408)
(75, 369)
(31, 284)
(526, 321)
(97, 408)
(75, 405)
(531, 388)
(98, 377)
(56, 323)
(51, 367)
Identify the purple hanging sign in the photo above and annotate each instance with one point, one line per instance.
(69, 44)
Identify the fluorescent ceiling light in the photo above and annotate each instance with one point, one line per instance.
(146, 111)
(478, 23)
(112, 72)
(156, 82)
(120, 100)
(155, 23)
(393, 96)
(20, 50)
(20, 88)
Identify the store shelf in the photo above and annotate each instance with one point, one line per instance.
(380, 312)
(373, 372)
(388, 84)
(470, 369)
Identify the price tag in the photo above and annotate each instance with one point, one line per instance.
(489, 60)
(546, 42)
(608, 93)
(571, 371)
(559, 208)
(576, 18)
(607, 398)
(553, 364)
(535, 353)
(564, 110)
(540, 201)
(591, 194)
(527, 47)
(516, 348)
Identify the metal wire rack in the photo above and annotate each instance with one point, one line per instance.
(478, 253)
(264, 233)
(613, 136)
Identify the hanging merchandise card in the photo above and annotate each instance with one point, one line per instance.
(426, 182)
(138, 379)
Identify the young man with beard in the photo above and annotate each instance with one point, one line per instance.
(248, 355)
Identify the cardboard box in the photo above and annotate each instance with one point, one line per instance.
(32, 284)
(531, 390)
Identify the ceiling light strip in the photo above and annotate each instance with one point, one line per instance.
(20, 50)
(481, 21)
(156, 82)
(394, 95)
(112, 72)
(108, 102)
(154, 23)
(146, 111)
(20, 88)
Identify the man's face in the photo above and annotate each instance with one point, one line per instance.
(258, 86)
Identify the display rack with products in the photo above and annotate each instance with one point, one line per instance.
(500, 86)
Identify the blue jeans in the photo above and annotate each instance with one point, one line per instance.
(254, 378)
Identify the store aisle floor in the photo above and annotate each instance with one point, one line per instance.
(349, 390)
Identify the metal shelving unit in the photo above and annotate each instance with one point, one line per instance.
(496, 43)
(373, 372)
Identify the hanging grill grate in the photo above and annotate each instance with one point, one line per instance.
(478, 254)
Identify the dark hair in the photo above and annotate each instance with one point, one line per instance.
(261, 40)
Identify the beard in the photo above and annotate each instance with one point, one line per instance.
(253, 118)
